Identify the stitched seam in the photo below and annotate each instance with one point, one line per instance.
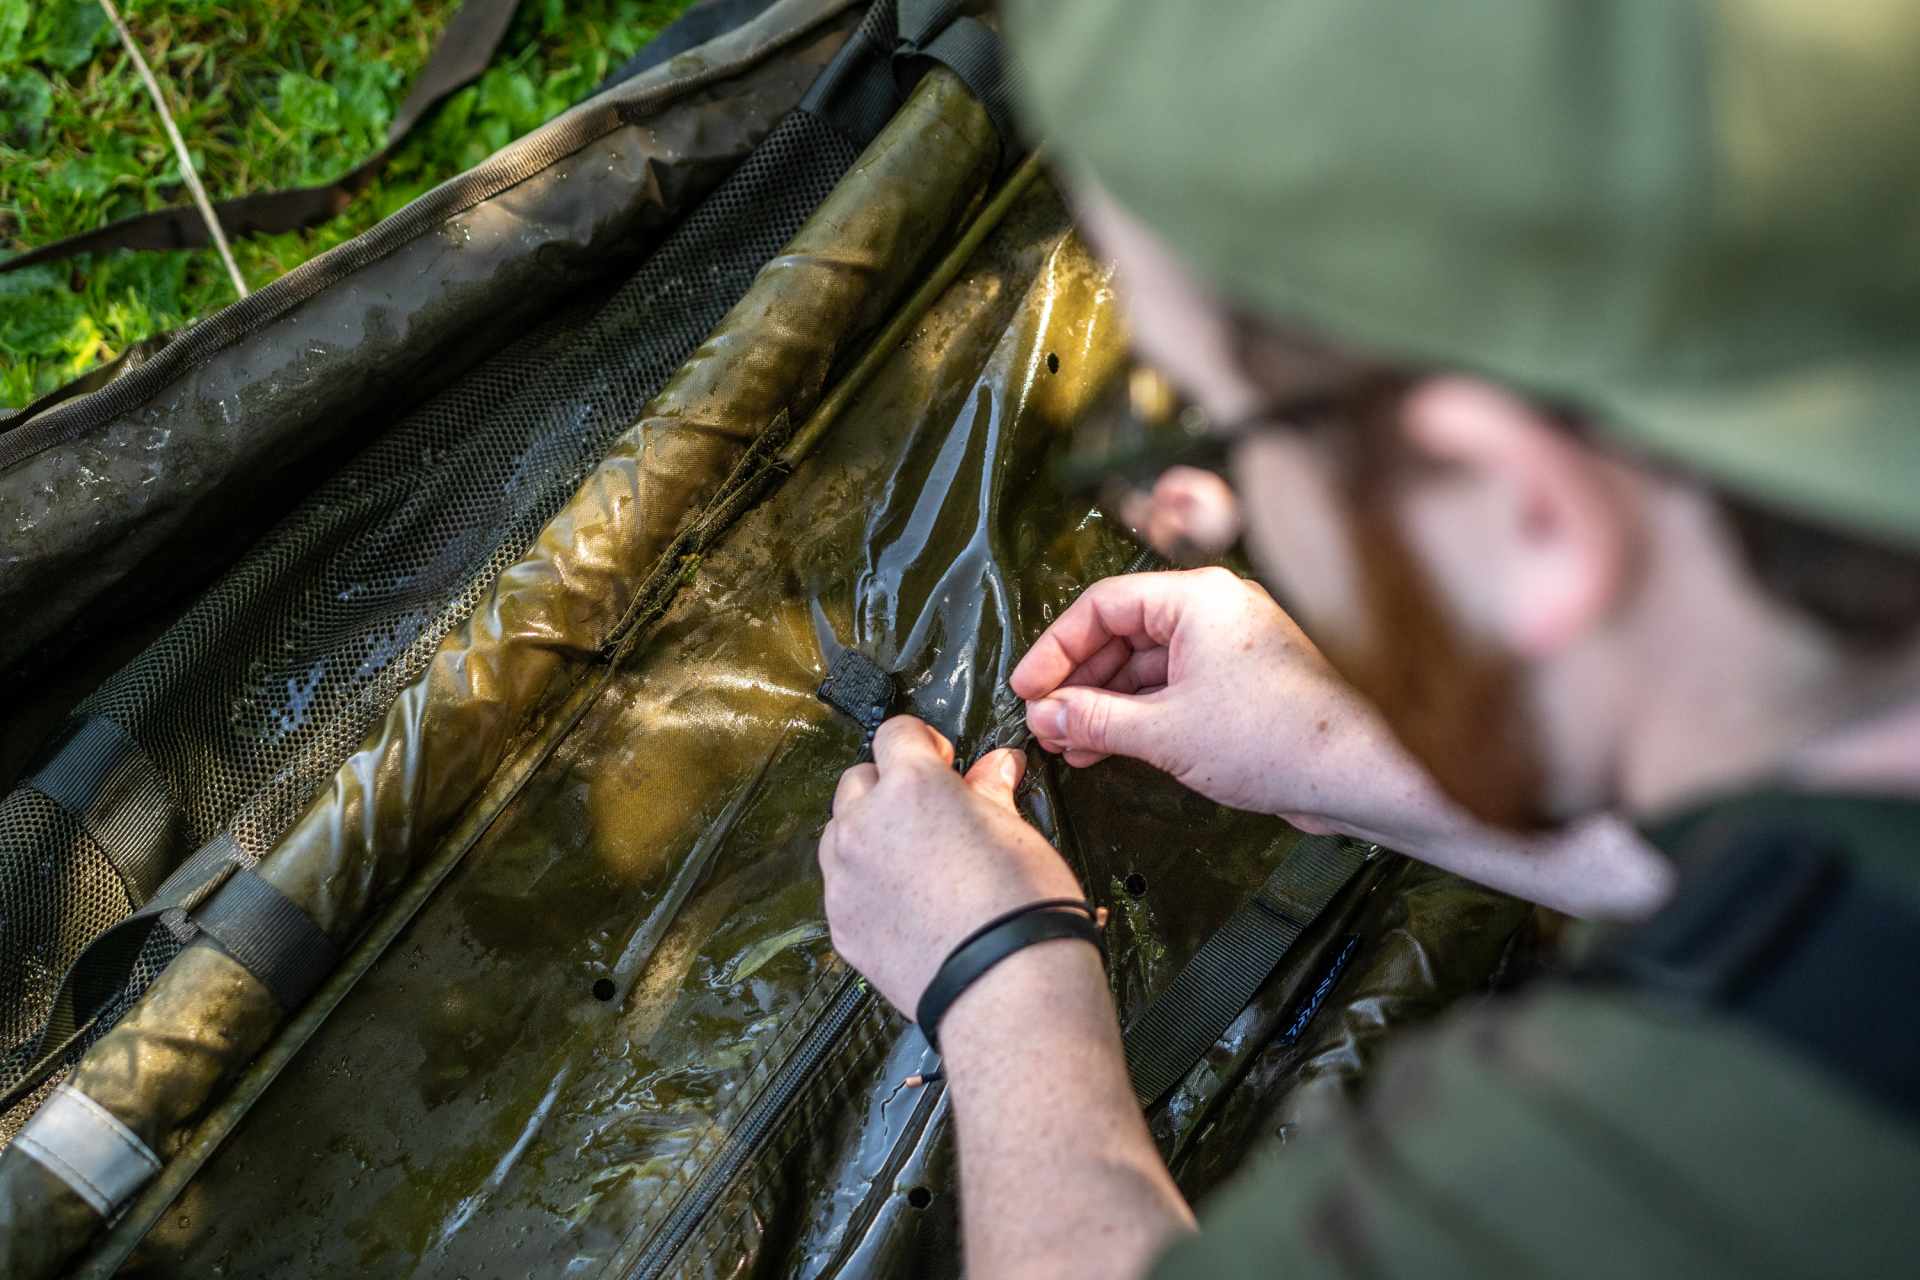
(114, 1125)
(65, 1170)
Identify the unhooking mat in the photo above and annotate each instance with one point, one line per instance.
(619, 1043)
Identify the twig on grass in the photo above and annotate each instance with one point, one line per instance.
(179, 146)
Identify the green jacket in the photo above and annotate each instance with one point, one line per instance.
(1594, 1132)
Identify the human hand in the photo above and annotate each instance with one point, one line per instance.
(1202, 675)
(917, 857)
(1189, 515)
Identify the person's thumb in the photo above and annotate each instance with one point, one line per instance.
(996, 775)
(1083, 720)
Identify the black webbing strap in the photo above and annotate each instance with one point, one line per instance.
(277, 942)
(1204, 998)
(1771, 924)
(892, 49)
(855, 93)
(215, 892)
(935, 31)
(462, 54)
(93, 769)
(100, 972)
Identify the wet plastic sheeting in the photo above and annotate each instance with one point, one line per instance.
(567, 1039)
(546, 617)
(646, 856)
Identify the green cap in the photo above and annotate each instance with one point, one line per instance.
(1698, 221)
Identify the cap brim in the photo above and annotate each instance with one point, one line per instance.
(1834, 443)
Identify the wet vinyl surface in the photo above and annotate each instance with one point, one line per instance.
(568, 1038)
(541, 625)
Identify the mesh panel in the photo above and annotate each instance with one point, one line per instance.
(249, 703)
(58, 892)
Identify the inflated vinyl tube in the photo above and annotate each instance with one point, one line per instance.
(538, 630)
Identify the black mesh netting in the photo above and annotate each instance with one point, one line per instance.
(249, 703)
(57, 893)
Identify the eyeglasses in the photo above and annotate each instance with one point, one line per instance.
(1140, 427)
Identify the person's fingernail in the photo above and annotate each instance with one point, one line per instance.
(1047, 719)
(1010, 769)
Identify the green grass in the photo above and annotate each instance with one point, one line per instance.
(268, 94)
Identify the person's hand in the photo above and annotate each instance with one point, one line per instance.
(1202, 675)
(917, 857)
(1188, 516)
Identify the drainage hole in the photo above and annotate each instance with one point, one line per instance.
(1136, 884)
(603, 989)
(919, 1197)
(1053, 363)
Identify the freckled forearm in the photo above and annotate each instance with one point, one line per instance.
(1059, 1176)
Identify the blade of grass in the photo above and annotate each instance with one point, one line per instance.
(179, 146)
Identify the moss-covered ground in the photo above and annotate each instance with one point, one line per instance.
(268, 94)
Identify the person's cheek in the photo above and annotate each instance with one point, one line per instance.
(1297, 532)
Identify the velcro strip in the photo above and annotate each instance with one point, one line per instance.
(860, 690)
(275, 940)
(87, 1147)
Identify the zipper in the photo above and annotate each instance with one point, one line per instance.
(751, 1135)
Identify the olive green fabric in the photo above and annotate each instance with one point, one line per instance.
(1579, 1136)
(1588, 1133)
(1698, 221)
(144, 511)
(546, 618)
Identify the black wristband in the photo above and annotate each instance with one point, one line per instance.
(993, 942)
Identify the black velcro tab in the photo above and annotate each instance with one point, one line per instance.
(96, 771)
(858, 689)
(278, 943)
